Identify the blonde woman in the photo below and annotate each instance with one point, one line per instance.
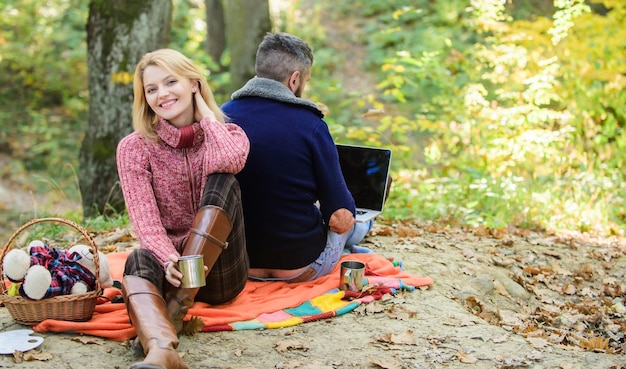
(177, 176)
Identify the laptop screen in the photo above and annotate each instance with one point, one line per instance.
(365, 170)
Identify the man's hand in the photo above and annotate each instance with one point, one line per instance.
(341, 221)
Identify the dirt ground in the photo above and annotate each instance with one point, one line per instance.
(500, 300)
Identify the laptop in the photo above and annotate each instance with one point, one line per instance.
(366, 171)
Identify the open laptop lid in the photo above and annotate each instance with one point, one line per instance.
(366, 171)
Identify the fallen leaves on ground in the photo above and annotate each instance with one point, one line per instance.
(32, 355)
(289, 344)
(192, 326)
(403, 338)
(386, 363)
(466, 358)
(575, 283)
(88, 340)
(566, 290)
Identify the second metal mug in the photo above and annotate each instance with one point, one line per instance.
(192, 268)
(351, 277)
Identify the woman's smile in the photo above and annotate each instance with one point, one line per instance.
(168, 103)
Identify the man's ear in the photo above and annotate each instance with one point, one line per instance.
(294, 81)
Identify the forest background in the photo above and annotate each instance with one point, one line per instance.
(499, 113)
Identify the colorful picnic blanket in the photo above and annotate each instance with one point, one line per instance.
(261, 305)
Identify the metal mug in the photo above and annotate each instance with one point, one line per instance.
(192, 268)
(351, 275)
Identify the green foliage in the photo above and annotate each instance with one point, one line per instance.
(498, 113)
(43, 84)
(498, 121)
(57, 231)
(188, 36)
(43, 91)
(107, 222)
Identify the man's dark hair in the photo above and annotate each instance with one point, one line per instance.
(281, 54)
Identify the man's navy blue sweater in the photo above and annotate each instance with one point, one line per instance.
(292, 164)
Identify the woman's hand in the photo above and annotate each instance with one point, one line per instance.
(341, 221)
(202, 109)
(172, 274)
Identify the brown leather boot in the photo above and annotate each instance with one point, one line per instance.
(146, 309)
(207, 237)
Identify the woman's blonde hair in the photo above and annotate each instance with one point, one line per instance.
(144, 118)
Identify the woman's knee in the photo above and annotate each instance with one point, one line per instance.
(142, 263)
(221, 189)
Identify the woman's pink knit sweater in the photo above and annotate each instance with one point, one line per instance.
(163, 185)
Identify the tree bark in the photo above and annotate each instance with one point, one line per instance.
(119, 33)
(216, 33)
(247, 21)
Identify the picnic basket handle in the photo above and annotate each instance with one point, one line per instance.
(90, 241)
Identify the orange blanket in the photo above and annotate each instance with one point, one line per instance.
(258, 298)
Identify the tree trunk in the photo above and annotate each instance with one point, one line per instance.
(216, 36)
(119, 33)
(247, 21)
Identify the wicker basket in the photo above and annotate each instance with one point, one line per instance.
(78, 307)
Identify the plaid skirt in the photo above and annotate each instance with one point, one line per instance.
(230, 272)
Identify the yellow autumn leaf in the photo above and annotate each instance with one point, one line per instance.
(193, 326)
(596, 344)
